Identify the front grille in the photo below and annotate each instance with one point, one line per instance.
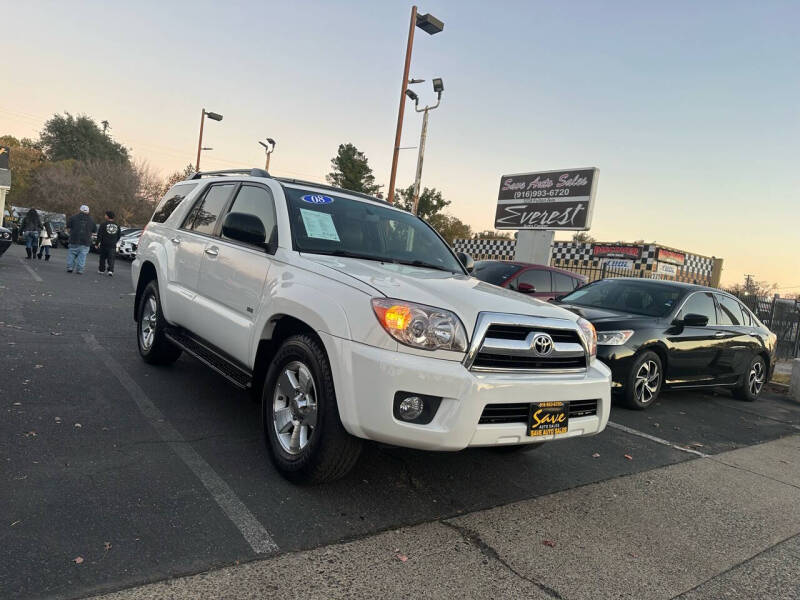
(496, 361)
(518, 413)
(517, 332)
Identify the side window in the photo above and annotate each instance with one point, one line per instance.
(538, 278)
(258, 201)
(171, 200)
(729, 311)
(204, 215)
(562, 283)
(748, 318)
(701, 303)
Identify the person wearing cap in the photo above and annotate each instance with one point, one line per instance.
(107, 238)
(81, 227)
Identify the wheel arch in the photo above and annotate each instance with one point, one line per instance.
(147, 273)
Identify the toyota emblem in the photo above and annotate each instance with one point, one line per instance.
(542, 344)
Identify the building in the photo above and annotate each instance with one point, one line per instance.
(599, 259)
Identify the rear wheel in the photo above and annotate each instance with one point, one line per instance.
(303, 431)
(753, 381)
(154, 347)
(644, 381)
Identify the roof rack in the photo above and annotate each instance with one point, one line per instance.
(251, 172)
(332, 188)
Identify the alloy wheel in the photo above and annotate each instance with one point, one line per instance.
(646, 383)
(294, 407)
(756, 377)
(147, 324)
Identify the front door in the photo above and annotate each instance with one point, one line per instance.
(695, 352)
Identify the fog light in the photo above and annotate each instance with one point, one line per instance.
(410, 408)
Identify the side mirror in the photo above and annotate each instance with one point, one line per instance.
(244, 227)
(695, 320)
(466, 260)
(526, 288)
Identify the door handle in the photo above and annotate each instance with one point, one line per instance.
(719, 334)
(175, 240)
(213, 251)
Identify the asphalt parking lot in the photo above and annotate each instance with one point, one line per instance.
(116, 473)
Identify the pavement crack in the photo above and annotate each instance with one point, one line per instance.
(746, 470)
(474, 539)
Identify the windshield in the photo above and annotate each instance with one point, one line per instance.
(637, 297)
(323, 223)
(494, 271)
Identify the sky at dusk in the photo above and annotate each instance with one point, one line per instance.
(691, 110)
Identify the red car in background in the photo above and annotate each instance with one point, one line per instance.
(539, 281)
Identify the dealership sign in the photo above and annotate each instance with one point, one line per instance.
(547, 200)
(667, 269)
(671, 257)
(616, 251)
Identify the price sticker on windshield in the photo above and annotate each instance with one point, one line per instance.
(316, 199)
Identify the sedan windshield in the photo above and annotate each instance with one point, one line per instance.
(323, 223)
(494, 271)
(623, 295)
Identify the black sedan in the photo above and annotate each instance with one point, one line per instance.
(654, 334)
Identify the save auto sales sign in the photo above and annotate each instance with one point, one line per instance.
(547, 200)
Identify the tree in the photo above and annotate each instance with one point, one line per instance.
(177, 176)
(490, 234)
(351, 171)
(78, 138)
(24, 159)
(450, 228)
(581, 237)
(431, 201)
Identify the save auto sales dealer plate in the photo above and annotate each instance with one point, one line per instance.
(548, 418)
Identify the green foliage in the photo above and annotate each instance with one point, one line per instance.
(177, 176)
(65, 137)
(351, 171)
(431, 201)
(24, 159)
(581, 237)
(450, 228)
(490, 234)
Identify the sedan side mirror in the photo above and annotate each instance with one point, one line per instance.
(244, 227)
(466, 260)
(695, 320)
(526, 288)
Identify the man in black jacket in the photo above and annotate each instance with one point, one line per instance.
(81, 227)
(107, 238)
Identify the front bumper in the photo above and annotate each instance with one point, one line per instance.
(366, 379)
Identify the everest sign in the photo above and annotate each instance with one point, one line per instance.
(547, 200)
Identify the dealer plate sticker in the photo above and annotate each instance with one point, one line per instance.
(548, 418)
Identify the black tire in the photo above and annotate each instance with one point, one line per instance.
(753, 380)
(329, 452)
(638, 394)
(515, 448)
(155, 350)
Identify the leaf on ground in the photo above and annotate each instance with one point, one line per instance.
(31, 434)
(77, 560)
(696, 444)
(15, 523)
(401, 557)
(549, 543)
(17, 403)
(596, 455)
(629, 457)
(38, 366)
(107, 546)
(55, 333)
(78, 425)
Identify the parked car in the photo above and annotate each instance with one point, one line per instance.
(5, 240)
(655, 334)
(352, 319)
(127, 245)
(539, 281)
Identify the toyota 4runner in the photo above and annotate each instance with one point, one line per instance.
(353, 320)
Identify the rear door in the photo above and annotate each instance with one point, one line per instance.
(695, 352)
(233, 275)
(738, 345)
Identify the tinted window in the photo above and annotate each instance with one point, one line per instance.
(256, 201)
(623, 295)
(748, 317)
(539, 279)
(730, 313)
(563, 284)
(171, 201)
(494, 272)
(205, 213)
(700, 304)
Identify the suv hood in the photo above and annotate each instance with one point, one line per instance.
(466, 296)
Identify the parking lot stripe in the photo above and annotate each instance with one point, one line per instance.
(33, 273)
(251, 529)
(655, 439)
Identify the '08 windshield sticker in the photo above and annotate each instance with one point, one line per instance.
(316, 199)
(319, 225)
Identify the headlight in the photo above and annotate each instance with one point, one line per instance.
(589, 335)
(613, 338)
(420, 326)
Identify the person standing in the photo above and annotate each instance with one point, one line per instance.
(45, 241)
(31, 226)
(107, 238)
(81, 227)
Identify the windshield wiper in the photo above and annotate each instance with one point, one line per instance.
(346, 254)
(422, 263)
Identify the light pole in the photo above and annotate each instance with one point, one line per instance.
(269, 147)
(438, 87)
(429, 24)
(214, 117)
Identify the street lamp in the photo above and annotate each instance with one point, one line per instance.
(431, 25)
(269, 150)
(214, 117)
(438, 87)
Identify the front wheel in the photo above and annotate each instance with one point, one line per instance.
(303, 431)
(644, 381)
(753, 381)
(154, 347)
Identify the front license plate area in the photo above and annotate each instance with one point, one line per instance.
(548, 418)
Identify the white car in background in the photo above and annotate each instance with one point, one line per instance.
(128, 244)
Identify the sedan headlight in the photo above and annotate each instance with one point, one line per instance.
(613, 338)
(420, 326)
(589, 335)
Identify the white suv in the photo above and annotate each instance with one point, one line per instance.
(351, 319)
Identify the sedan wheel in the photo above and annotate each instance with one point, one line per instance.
(644, 381)
(753, 381)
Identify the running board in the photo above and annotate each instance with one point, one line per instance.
(230, 370)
